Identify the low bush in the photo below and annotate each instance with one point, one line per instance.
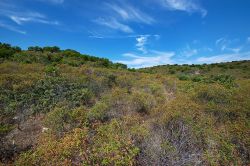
(184, 77)
(52, 70)
(226, 80)
(197, 79)
(142, 102)
(212, 94)
(57, 120)
(98, 112)
(62, 119)
(171, 144)
(5, 128)
(71, 149)
(111, 146)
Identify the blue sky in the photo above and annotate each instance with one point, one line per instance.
(138, 33)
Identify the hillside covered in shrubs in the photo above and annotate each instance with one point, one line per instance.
(60, 107)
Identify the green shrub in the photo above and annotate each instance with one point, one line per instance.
(197, 79)
(62, 119)
(142, 102)
(170, 144)
(226, 80)
(83, 96)
(57, 119)
(52, 151)
(172, 71)
(78, 117)
(125, 81)
(156, 89)
(212, 94)
(52, 70)
(111, 80)
(111, 146)
(5, 128)
(7, 51)
(98, 112)
(184, 77)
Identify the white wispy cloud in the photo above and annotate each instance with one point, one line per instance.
(114, 24)
(141, 42)
(52, 1)
(129, 13)
(20, 15)
(248, 40)
(224, 58)
(11, 28)
(157, 37)
(226, 45)
(21, 20)
(119, 15)
(99, 35)
(188, 51)
(222, 42)
(96, 35)
(207, 49)
(152, 59)
(189, 6)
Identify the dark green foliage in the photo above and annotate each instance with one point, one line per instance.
(48, 55)
(216, 94)
(98, 112)
(63, 119)
(226, 80)
(197, 79)
(183, 77)
(35, 48)
(6, 50)
(52, 70)
(53, 49)
(70, 53)
(132, 69)
(57, 119)
(172, 71)
(5, 128)
(120, 66)
(111, 80)
(45, 94)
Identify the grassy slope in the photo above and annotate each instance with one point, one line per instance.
(100, 115)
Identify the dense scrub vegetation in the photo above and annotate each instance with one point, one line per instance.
(59, 107)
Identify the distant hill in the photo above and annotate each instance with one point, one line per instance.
(53, 55)
(238, 69)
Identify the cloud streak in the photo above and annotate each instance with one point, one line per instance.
(21, 20)
(21, 16)
(11, 28)
(114, 24)
(189, 6)
(185, 56)
(155, 58)
(188, 52)
(151, 59)
(141, 42)
(52, 1)
(129, 13)
(120, 15)
(226, 45)
(224, 58)
(248, 40)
